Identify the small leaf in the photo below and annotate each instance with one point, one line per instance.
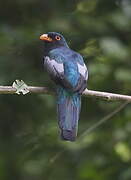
(21, 87)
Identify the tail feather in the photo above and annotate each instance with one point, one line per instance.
(68, 135)
(68, 115)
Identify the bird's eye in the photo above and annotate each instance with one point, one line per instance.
(58, 38)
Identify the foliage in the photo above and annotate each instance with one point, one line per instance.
(29, 137)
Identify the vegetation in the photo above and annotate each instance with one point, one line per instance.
(30, 146)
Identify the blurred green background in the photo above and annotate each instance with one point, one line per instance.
(30, 146)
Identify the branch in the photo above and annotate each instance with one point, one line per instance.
(104, 119)
(107, 96)
(45, 90)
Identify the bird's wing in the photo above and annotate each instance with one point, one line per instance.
(69, 74)
(55, 69)
(82, 69)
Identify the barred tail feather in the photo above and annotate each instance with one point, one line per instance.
(68, 116)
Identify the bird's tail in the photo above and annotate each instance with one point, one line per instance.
(68, 106)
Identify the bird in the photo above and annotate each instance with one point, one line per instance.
(69, 72)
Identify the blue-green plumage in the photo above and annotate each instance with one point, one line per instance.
(68, 107)
(67, 69)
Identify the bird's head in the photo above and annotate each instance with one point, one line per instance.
(53, 40)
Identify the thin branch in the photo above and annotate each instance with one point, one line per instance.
(45, 90)
(107, 96)
(104, 119)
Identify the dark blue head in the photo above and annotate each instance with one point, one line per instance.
(53, 40)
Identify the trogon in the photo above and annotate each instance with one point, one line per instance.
(69, 72)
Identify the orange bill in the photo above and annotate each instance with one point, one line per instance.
(45, 37)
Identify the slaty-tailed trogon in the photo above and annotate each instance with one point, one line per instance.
(67, 69)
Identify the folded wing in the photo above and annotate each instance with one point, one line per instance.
(71, 74)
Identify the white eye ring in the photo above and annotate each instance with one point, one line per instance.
(58, 38)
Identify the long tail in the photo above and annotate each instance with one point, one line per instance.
(68, 106)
